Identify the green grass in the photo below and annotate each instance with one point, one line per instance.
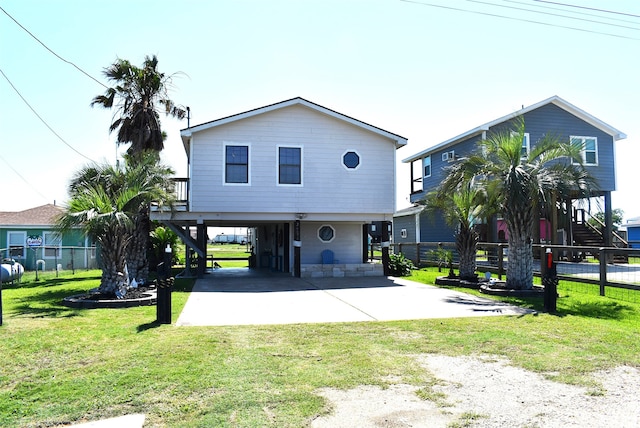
(222, 251)
(62, 365)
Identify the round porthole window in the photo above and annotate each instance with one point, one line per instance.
(351, 160)
(326, 233)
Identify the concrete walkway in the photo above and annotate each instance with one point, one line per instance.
(247, 297)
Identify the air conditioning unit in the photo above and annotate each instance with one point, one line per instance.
(449, 156)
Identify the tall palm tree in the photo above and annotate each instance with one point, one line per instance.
(104, 201)
(139, 94)
(153, 176)
(523, 185)
(462, 209)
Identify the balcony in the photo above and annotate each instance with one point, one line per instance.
(181, 195)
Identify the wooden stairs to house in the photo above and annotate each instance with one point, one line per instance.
(586, 235)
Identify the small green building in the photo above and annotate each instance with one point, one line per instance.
(29, 238)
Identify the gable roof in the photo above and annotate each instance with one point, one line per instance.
(44, 215)
(187, 132)
(555, 100)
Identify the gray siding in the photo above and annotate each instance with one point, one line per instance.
(407, 222)
(433, 228)
(328, 187)
(552, 120)
(439, 167)
(346, 246)
(547, 120)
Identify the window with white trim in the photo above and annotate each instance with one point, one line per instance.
(326, 233)
(403, 233)
(17, 244)
(351, 159)
(236, 164)
(289, 165)
(525, 148)
(589, 149)
(426, 166)
(52, 245)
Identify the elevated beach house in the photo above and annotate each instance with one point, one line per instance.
(310, 183)
(553, 116)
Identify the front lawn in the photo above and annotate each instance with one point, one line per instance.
(62, 365)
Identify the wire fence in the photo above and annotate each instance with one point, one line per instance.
(50, 258)
(611, 272)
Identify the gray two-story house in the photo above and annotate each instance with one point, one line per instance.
(553, 116)
(310, 183)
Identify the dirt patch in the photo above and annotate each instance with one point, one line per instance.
(488, 392)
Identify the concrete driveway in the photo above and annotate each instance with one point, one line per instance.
(241, 296)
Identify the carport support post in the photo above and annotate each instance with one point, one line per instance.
(384, 243)
(297, 244)
(201, 237)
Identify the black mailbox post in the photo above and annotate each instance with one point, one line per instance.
(165, 283)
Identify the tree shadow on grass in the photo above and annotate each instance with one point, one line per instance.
(45, 304)
(604, 309)
(50, 282)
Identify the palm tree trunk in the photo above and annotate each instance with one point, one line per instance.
(113, 258)
(466, 242)
(520, 259)
(137, 260)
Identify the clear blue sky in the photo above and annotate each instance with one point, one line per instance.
(427, 70)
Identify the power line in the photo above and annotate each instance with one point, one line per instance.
(570, 11)
(554, 14)
(42, 120)
(55, 54)
(589, 8)
(23, 179)
(495, 15)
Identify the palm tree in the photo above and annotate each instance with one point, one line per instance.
(522, 185)
(138, 95)
(153, 176)
(103, 203)
(462, 209)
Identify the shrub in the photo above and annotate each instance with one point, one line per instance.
(399, 265)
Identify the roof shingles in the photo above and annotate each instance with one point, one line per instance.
(44, 215)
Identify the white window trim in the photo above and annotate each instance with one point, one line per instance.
(359, 160)
(332, 238)
(583, 151)
(224, 163)
(449, 156)
(527, 140)
(403, 233)
(46, 245)
(430, 167)
(289, 146)
(24, 242)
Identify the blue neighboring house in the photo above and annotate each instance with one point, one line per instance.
(633, 232)
(553, 116)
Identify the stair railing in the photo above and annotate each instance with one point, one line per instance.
(618, 240)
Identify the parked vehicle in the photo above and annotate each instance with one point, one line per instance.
(230, 239)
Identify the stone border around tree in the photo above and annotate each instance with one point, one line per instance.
(83, 301)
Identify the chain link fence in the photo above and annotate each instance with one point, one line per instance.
(48, 259)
